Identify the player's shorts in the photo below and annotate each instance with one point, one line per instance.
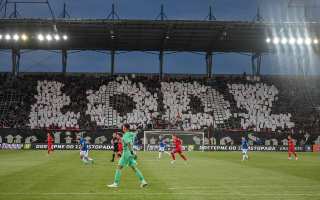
(177, 150)
(84, 153)
(50, 146)
(127, 160)
(291, 149)
(244, 151)
(115, 148)
(161, 149)
(120, 150)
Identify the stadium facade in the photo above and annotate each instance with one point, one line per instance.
(266, 108)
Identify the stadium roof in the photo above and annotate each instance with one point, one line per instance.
(150, 35)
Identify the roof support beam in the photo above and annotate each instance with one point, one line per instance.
(256, 56)
(209, 64)
(64, 56)
(15, 57)
(256, 64)
(161, 64)
(112, 55)
(17, 2)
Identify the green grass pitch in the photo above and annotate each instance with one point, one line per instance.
(32, 175)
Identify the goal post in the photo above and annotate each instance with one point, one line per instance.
(192, 140)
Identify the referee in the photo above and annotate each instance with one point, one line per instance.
(115, 144)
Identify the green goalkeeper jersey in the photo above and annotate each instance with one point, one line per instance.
(128, 138)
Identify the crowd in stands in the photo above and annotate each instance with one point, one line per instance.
(266, 104)
(104, 113)
(257, 100)
(177, 99)
(47, 110)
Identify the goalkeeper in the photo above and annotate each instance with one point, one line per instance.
(127, 158)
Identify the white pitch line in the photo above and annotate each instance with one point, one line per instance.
(245, 186)
(160, 193)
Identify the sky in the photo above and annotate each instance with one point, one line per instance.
(188, 63)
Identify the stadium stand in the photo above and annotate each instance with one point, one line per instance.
(46, 112)
(257, 100)
(262, 104)
(136, 105)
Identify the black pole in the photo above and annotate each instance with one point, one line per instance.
(113, 52)
(161, 64)
(161, 53)
(15, 10)
(259, 58)
(259, 17)
(162, 15)
(64, 11)
(209, 64)
(13, 62)
(64, 61)
(15, 57)
(162, 12)
(210, 15)
(113, 11)
(253, 66)
(5, 8)
(18, 62)
(256, 63)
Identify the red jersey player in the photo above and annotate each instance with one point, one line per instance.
(50, 143)
(120, 147)
(177, 142)
(291, 149)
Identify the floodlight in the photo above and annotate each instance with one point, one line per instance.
(299, 41)
(284, 40)
(24, 37)
(57, 37)
(307, 41)
(292, 40)
(40, 37)
(16, 37)
(8, 37)
(49, 37)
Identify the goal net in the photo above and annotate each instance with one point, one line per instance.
(191, 140)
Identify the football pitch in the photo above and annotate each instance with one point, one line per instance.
(208, 175)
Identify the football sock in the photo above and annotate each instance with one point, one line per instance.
(173, 156)
(139, 174)
(183, 157)
(117, 176)
(112, 157)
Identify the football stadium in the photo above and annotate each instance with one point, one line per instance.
(159, 99)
